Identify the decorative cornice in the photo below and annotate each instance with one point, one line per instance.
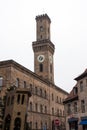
(44, 16)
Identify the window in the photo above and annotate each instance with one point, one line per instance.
(36, 125)
(31, 87)
(23, 96)
(69, 109)
(40, 92)
(75, 107)
(36, 107)
(60, 99)
(57, 112)
(30, 124)
(41, 125)
(12, 100)
(45, 109)
(57, 99)
(35, 90)
(75, 90)
(81, 86)
(1, 82)
(86, 82)
(41, 108)
(24, 84)
(8, 101)
(30, 106)
(18, 99)
(52, 111)
(45, 94)
(41, 28)
(52, 97)
(41, 67)
(83, 105)
(17, 82)
(41, 36)
(46, 125)
(50, 68)
(63, 113)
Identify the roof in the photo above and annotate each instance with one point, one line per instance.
(84, 74)
(72, 96)
(13, 63)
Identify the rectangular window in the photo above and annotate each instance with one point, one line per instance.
(75, 107)
(81, 86)
(69, 109)
(52, 97)
(24, 84)
(36, 90)
(83, 106)
(52, 111)
(41, 67)
(1, 82)
(17, 82)
(86, 82)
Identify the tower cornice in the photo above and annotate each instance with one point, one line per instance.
(43, 16)
(43, 45)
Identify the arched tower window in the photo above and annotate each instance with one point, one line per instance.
(23, 96)
(41, 67)
(18, 99)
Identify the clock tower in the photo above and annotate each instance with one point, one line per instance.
(43, 49)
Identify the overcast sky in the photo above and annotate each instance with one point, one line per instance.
(68, 33)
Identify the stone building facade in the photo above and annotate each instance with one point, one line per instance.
(76, 105)
(44, 109)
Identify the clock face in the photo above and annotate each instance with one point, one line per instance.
(50, 59)
(41, 58)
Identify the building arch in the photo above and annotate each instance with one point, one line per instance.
(17, 123)
(7, 122)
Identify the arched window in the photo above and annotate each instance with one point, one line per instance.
(41, 67)
(41, 125)
(30, 124)
(52, 111)
(36, 125)
(17, 123)
(30, 106)
(50, 68)
(35, 90)
(12, 100)
(23, 96)
(36, 107)
(57, 112)
(7, 122)
(41, 108)
(31, 88)
(8, 101)
(45, 109)
(45, 94)
(17, 82)
(52, 97)
(18, 99)
(24, 84)
(41, 92)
